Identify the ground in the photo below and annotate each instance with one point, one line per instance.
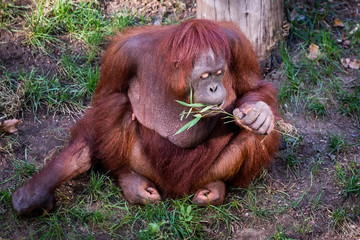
(50, 55)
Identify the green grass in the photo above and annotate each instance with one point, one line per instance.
(349, 177)
(83, 21)
(338, 217)
(280, 234)
(338, 143)
(11, 95)
(51, 27)
(316, 165)
(312, 87)
(34, 90)
(9, 12)
(350, 103)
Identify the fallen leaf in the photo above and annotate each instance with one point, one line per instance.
(314, 52)
(338, 23)
(347, 42)
(355, 64)
(9, 126)
(345, 62)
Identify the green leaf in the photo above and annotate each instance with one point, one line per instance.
(189, 124)
(182, 115)
(191, 105)
(188, 210)
(187, 115)
(191, 95)
(153, 228)
(206, 108)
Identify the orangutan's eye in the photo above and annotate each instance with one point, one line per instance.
(204, 75)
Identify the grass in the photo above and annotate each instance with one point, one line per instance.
(11, 96)
(350, 103)
(312, 85)
(338, 143)
(280, 234)
(349, 177)
(9, 12)
(80, 20)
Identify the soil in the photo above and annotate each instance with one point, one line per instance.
(40, 136)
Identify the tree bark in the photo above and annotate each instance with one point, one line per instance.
(260, 20)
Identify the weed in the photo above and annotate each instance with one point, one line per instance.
(292, 144)
(318, 108)
(5, 198)
(23, 169)
(293, 84)
(251, 202)
(178, 223)
(338, 143)
(350, 103)
(101, 187)
(338, 217)
(50, 227)
(223, 214)
(11, 96)
(316, 164)
(305, 227)
(316, 202)
(280, 234)
(349, 178)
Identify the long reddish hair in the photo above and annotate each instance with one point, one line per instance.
(174, 49)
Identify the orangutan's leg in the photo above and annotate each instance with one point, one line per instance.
(37, 194)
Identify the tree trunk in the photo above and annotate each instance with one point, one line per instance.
(260, 20)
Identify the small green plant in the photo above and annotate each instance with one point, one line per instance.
(11, 95)
(318, 108)
(164, 221)
(280, 234)
(292, 86)
(251, 202)
(338, 143)
(316, 202)
(152, 230)
(5, 198)
(23, 168)
(338, 217)
(316, 164)
(305, 227)
(349, 178)
(350, 103)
